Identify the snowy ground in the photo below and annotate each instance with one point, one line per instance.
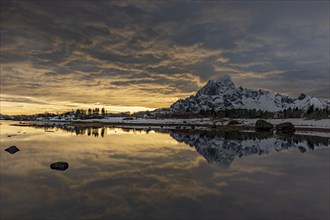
(299, 122)
(202, 122)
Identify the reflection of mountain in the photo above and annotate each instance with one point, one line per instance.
(215, 146)
(224, 147)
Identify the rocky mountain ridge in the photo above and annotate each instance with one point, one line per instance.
(223, 94)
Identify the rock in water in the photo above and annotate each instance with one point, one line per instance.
(59, 165)
(301, 149)
(262, 125)
(285, 127)
(12, 149)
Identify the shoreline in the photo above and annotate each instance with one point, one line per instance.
(183, 126)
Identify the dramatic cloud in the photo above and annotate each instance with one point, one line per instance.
(126, 53)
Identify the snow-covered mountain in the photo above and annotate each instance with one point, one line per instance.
(223, 94)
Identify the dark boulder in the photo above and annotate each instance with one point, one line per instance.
(233, 122)
(59, 165)
(302, 149)
(12, 149)
(285, 127)
(262, 125)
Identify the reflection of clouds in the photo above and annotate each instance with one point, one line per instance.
(102, 172)
(145, 176)
(250, 170)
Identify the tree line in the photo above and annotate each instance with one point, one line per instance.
(311, 113)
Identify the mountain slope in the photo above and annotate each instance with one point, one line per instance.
(222, 94)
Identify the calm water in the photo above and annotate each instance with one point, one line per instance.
(136, 174)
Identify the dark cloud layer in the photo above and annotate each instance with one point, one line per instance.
(162, 48)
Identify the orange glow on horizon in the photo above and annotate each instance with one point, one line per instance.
(12, 107)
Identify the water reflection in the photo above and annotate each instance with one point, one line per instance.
(215, 146)
(224, 147)
(143, 174)
(96, 131)
(78, 130)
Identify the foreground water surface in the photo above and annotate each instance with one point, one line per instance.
(145, 174)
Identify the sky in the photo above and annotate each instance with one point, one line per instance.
(141, 55)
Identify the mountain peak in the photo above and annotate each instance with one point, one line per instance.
(225, 81)
(222, 85)
(222, 94)
(224, 77)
